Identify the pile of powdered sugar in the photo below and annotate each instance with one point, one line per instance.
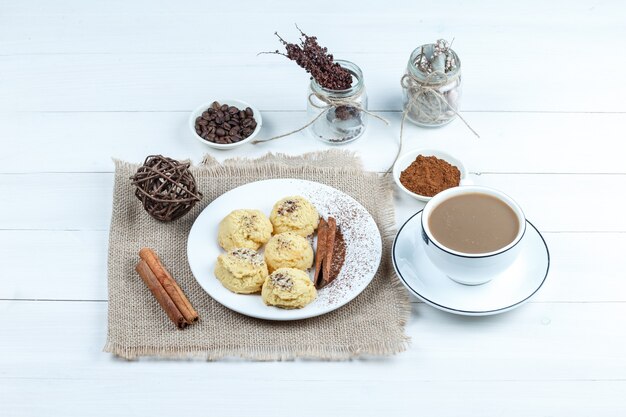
(362, 238)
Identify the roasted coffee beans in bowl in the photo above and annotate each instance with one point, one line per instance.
(225, 124)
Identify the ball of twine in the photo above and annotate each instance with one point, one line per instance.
(165, 187)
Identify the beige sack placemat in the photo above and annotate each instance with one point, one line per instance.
(372, 324)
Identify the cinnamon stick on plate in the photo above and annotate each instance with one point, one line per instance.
(169, 284)
(320, 252)
(330, 253)
(159, 293)
(330, 249)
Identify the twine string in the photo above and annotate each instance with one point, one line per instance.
(404, 113)
(330, 103)
(426, 99)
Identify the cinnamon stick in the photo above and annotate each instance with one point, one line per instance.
(320, 252)
(330, 247)
(160, 294)
(338, 259)
(169, 284)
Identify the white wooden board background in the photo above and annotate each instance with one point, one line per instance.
(81, 82)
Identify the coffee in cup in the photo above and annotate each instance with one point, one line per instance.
(472, 232)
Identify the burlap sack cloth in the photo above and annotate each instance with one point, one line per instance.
(371, 324)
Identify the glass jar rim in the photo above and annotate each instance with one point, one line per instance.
(421, 76)
(356, 87)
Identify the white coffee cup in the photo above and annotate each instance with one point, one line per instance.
(471, 268)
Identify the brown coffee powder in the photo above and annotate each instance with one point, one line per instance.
(429, 175)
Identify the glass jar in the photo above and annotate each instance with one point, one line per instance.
(338, 114)
(431, 99)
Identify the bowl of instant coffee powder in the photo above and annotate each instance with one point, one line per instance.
(423, 173)
(225, 124)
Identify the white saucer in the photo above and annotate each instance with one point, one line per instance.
(504, 292)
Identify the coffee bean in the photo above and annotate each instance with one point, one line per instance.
(223, 124)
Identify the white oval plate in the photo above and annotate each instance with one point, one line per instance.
(363, 245)
(515, 286)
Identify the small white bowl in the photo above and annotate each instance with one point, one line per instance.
(231, 102)
(407, 158)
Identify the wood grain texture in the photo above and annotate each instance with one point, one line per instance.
(141, 394)
(78, 260)
(157, 82)
(559, 202)
(82, 82)
(449, 369)
(444, 347)
(510, 142)
(52, 56)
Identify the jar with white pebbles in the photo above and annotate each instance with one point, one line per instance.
(431, 86)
